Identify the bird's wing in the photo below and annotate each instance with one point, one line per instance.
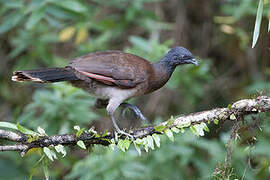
(113, 68)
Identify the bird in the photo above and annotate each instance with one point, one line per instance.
(113, 77)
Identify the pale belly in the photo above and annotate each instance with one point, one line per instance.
(102, 91)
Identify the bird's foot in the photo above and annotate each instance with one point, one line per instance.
(123, 133)
(134, 108)
(119, 131)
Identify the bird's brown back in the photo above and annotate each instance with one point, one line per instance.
(115, 64)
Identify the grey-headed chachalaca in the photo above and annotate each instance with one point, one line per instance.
(113, 76)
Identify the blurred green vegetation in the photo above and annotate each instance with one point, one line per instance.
(63, 106)
(47, 33)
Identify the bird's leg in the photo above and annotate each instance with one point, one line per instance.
(112, 106)
(134, 108)
(102, 103)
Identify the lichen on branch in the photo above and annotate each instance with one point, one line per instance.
(143, 136)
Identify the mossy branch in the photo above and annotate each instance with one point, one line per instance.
(238, 109)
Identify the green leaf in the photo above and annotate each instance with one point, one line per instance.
(49, 153)
(193, 130)
(127, 143)
(170, 122)
(159, 128)
(139, 141)
(81, 144)
(187, 124)
(137, 147)
(8, 125)
(77, 128)
(182, 130)
(197, 129)
(41, 131)
(25, 130)
(229, 107)
(174, 129)
(105, 133)
(256, 31)
(112, 146)
(216, 121)
(91, 130)
(150, 142)
(10, 21)
(156, 139)
(222, 115)
(61, 149)
(121, 145)
(169, 133)
(35, 17)
(183, 125)
(232, 117)
(145, 143)
(205, 127)
(71, 5)
(79, 133)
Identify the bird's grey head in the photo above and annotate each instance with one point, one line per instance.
(180, 55)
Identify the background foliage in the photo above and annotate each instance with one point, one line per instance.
(47, 33)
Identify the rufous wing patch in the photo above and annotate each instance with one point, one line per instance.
(109, 81)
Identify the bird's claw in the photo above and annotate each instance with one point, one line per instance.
(134, 108)
(124, 133)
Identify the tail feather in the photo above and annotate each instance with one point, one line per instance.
(45, 75)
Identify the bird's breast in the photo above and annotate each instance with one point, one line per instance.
(103, 91)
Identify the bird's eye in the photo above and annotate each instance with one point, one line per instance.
(185, 57)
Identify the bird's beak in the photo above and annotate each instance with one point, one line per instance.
(192, 61)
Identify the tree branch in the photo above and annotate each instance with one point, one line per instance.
(9, 135)
(237, 109)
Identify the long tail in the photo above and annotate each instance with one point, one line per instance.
(47, 75)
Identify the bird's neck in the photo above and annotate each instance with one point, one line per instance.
(162, 73)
